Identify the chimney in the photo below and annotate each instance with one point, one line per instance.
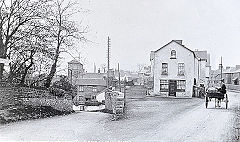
(178, 41)
(237, 67)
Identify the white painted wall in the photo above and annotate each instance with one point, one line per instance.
(183, 56)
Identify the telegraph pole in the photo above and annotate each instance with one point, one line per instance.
(221, 70)
(108, 62)
(119, 83)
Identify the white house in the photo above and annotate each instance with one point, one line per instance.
(204, 64)
(175, 70)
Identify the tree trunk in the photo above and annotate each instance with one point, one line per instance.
(53, 68)
(27, 68)
(2, 51)
(51, 74)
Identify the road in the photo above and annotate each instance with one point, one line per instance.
(147, 119)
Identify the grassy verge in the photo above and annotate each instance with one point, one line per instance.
(26, 112)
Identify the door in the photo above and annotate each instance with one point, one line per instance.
(172, 87)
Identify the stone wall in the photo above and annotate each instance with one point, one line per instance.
(12, 96)
(61, 104)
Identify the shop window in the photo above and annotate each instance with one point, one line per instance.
(164, 85)
(181, 85)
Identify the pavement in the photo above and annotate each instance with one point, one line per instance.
(146, 119)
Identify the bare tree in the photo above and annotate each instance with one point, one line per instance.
(63, 31)
(140, 67)
(14, 15)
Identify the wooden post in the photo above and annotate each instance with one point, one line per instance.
(108, 62)
(119, 83)
(221, 70)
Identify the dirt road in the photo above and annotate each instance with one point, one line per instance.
(147, 119)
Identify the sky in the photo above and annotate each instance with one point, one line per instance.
(137, 27)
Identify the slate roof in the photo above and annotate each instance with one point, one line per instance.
(91, 82)
(201, 54)
(175, 41)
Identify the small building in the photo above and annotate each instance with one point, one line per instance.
(90, 87)
(176, 69)
(88, 84)
(231, 75)
(75, 71)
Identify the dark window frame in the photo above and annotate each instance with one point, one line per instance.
(164, 69)
(164, 85)
(181, 69)
(173, 54)
(181, 85)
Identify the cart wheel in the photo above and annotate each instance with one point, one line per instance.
(206, 102)
(226, 101)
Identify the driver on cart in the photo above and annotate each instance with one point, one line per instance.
(223, 91)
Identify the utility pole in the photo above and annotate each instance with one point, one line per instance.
(119, 83)
(94, 66)
(108, 62)
(221, 70)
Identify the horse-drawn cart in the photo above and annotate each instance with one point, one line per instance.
(218, 95)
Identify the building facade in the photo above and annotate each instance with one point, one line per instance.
(231, 75)
(88, 84)
(176, 69)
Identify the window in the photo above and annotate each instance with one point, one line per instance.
(80, 88)
(181, 85)
(75, 74)
(94, 89)
(173, 54)
(164, 86)
(94, 97)
(164, 68)
(181, 69)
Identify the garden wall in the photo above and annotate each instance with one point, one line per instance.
(12, 96)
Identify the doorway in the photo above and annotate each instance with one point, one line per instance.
(172, 88)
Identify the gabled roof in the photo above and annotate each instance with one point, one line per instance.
(91, 82)
(178, 44)
(201, 54)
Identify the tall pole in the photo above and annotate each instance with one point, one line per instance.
(119, 83)
(108, 62)
(221, 69)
